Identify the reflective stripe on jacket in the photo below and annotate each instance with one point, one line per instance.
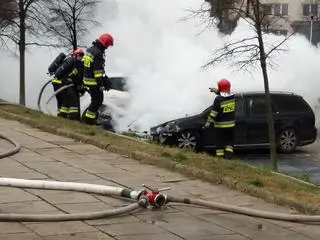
(223, 112)
(93, 63)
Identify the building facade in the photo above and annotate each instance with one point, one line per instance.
(301, 16)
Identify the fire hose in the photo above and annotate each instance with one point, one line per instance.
(143, 199)
(41, 92)
(58, 91)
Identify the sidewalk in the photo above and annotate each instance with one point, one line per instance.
(50, 157)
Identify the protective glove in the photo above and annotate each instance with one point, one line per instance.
(107, 84)
(207, 125)
(214, 90)
(81, 90)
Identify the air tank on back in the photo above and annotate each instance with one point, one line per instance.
(56, 63)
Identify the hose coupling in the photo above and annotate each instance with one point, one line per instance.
(155, 198)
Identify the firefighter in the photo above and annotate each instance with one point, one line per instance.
(95, 77)
(71, 72)
(78, 89)
(222, 115)
(57, 83)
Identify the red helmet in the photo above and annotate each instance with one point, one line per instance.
(77, 53)
(106, 40)
(224, 86)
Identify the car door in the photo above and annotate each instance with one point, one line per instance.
(256, 120)
(207, 135)
(240, 133)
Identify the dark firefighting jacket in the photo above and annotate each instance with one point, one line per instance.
(222, 113)
(94, 62)
(70, 71)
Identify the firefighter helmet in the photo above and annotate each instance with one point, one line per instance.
(224, 86)
(77, 53)
(106, 40)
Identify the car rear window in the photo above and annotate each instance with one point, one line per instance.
(290, 104)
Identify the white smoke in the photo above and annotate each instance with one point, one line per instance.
(162, 56)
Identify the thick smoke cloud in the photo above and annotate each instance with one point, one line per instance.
(162, 56)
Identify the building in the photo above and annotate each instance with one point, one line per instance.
(301, 16)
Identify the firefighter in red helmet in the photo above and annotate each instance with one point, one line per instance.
(222, 116)
(70, 71)
(94, 76)
(73, 93)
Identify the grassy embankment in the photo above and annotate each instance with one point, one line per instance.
(258, 182)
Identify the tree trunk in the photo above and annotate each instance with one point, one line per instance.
(22, 47)
(74, 30)
(272, 138)
(263, 63)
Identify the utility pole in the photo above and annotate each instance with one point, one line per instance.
(311, 28)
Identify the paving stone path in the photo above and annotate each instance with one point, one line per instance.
(49, 157)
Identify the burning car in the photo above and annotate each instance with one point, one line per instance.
(114, 103)
(294, 122)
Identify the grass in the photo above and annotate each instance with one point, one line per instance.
(258, 182)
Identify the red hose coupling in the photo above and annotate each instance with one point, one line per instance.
(155, 198)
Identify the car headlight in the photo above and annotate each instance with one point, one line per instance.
(158, 130)
(172, 127)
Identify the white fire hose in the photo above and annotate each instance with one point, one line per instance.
(143, 198)
(58, 91)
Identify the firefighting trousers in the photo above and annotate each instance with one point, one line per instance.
(91, 114)
(224, 141)
(71, 104)
(59, 96)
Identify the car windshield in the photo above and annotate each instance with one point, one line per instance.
(206, 110)
(119, 84)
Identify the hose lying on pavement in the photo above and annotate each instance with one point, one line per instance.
(123, 192)
(247, 211)
(14, 217)
(12, 151)
(70, 186)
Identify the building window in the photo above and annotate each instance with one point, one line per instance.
(310, 9)
(276, 9)
(278, 32)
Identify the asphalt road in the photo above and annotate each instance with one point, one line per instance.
(305, 162)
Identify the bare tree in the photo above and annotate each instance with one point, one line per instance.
(248, 51)
(28, 19)
(7, 14)
(70, 20)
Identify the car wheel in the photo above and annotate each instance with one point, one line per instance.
(188, 140)
(287, 140)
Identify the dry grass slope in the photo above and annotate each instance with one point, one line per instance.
(257, 182)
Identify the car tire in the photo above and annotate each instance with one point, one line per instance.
(287, 140)
(188, 140)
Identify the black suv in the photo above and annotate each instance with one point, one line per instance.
(294, 122)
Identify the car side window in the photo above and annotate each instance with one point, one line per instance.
(257, 106)
(239, 107)
(290, 104)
